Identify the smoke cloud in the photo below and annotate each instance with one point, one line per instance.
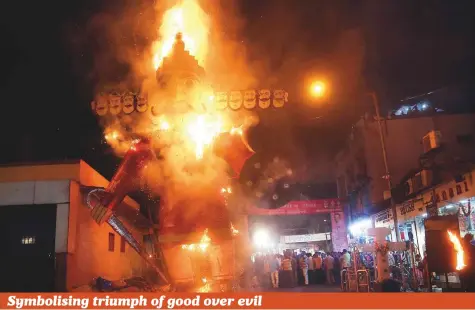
(274, 53)
(127, 41)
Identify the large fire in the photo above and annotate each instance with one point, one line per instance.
(459, 249)
(182, 126)
(187, 18)
(193, 127)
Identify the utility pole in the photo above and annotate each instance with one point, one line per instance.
(385, 160)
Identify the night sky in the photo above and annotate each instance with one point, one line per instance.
(397, 48)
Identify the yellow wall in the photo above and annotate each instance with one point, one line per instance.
(40, 172)
(91, 257)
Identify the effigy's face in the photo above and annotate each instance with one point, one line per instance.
(250, 99)
(264, 98)
(128, 106)
(101, 106)
(142, 103)
(279, 99)
(235, 100)
(115, 104)
(221, 100)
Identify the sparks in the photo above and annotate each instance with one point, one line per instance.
(459, 249)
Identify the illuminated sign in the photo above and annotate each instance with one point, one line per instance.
(411, 209)
(305, 238)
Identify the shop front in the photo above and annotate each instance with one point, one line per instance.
(458, 198)
(410, 218)
(415, 217)
(465, 212)
(459, 204)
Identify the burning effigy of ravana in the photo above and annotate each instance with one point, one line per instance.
(187, 143)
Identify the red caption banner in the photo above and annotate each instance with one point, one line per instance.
(238, 301)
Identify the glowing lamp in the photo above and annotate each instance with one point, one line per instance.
(359, 228)
(317, 89)
(261, 238)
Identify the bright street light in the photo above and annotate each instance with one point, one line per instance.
(317, 89)
(359, 228)
(261, 238)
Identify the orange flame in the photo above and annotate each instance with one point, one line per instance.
(190, 130)
(459, 249)
(113, 135)
(202, 130)
(226, 190)
(203, 245)
(234, 231)
(187, 18)
(206, 288)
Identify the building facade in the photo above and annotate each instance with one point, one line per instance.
(52, 243)
(360, 169)
(451, 197)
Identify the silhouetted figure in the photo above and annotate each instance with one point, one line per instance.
(391, 286)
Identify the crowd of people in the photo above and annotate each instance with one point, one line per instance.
(291, 269)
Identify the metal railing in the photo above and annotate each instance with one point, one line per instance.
(356, 282)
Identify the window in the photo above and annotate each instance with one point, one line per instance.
(437, 197)
(465, 139)
(111, 242)
(122, 244)
(458, 188)
(466, 186)
(444, 195)
(451, 192)
(28, 240)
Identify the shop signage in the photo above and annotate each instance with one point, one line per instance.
(305, 238)
(301, 207)
(384, 218)
(454, 191)
(410, 210)
(407, 208)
